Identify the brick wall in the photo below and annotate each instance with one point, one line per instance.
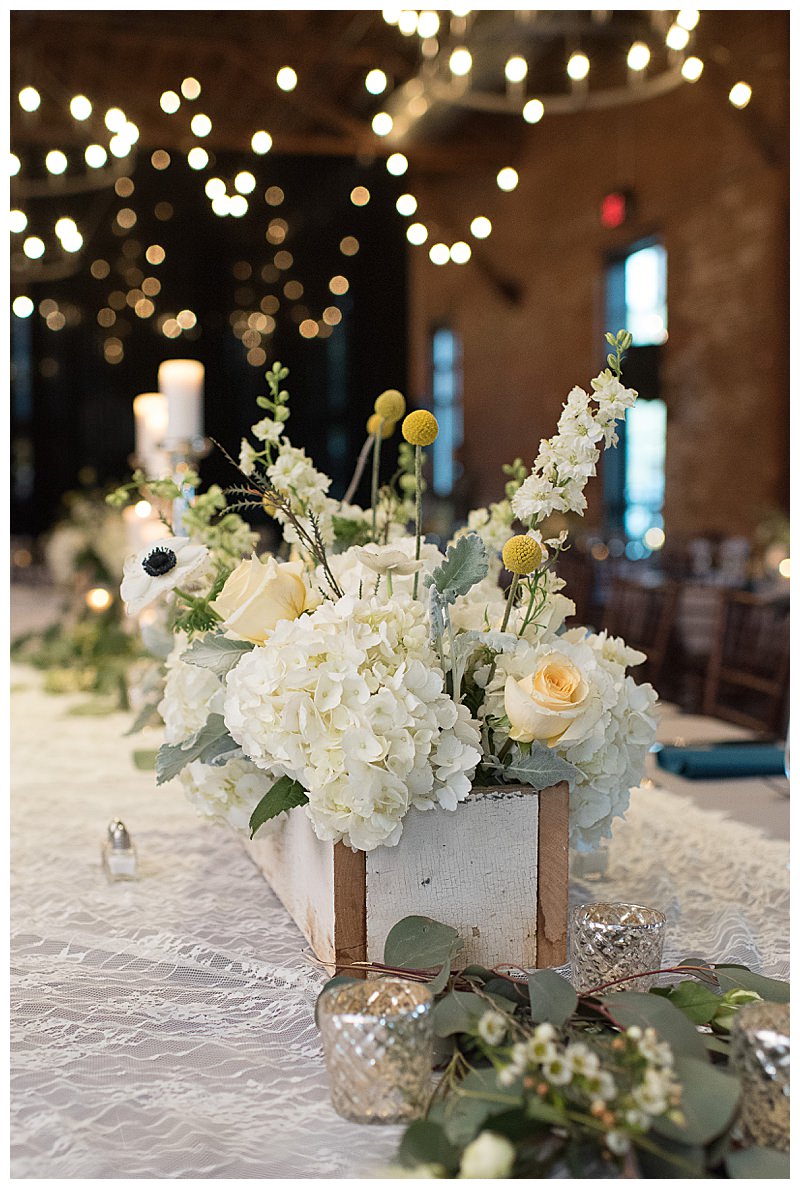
(711, 181)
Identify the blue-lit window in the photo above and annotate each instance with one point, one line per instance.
(636, 298)
(446, 390)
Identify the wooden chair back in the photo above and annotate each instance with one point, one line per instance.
(644, 616)
(748, 671)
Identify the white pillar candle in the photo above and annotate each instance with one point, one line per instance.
(181, 381)
(150, 415)
(142, 531)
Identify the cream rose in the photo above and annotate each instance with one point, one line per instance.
(259, 594)
(543, 704)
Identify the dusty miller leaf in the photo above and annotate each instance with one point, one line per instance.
(207, 745)
(541, 768)
(465, 564)
(216, 652)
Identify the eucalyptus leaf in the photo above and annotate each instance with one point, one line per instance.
(553, 999)
(541, 768)
(438, 984)
(420, 943)
(284, 795)
(757, 1164)
(459, 1011)
(697, 1002)
(708, 1102)
(663, 1159)
(216, 652)
(472, 1103)
(772, 989)
(652, 1011)
(426, 1143)
(465, 564)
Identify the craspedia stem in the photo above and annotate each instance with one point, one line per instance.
(418, 477)
(376, 466)
(512, 594)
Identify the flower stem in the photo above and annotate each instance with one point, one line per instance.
(376, 466)
(418, 477)
(359, 471)
(512, 594)
(389, 590)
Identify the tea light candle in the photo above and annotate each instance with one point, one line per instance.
(378, 1041)
(613, 941)
(181, 381)
(760, 1054)
(150, 418)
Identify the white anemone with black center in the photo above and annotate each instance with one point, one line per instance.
(159, 568)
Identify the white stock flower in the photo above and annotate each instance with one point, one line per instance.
(267, 430)
(350, 702)
(492, 1027)
(247, 458)
(489, 1155)
(159, 568)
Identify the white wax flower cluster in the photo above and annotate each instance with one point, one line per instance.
(569, 459)
(350, 702)
(602, 722)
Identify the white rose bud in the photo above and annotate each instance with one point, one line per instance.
(258, 594)
(489, 1155)
(545, 703)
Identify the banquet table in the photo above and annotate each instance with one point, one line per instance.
(164, 1028)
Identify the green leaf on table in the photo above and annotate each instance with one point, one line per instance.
(553, 999)
(465, 564)
(708, 1101)
(216, 652)
(145, 759)
(772, 989)
(697, 1002)
(284, 795)
(653, 1011)
(208, 745)
(426, 1143)
(541, 768)
(757, 1164)
(420, 943)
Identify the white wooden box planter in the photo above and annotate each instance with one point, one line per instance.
(496, 870)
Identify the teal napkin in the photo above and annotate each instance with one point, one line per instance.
(720, 759)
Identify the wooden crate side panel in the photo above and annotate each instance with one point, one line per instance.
(300, 870)
(553, 876)
(350, 907)
(475, 869)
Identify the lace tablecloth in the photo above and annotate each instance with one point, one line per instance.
(165, 1029)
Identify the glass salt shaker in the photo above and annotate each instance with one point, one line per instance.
(119, 853)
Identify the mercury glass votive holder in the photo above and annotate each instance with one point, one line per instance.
(613, 941)
(378, 1042)
(760, 1056)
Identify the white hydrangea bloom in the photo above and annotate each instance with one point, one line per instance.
(610, 738)
(227, 793)
(190, 695)
(350, 702)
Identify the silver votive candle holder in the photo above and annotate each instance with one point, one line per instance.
(760, 1056)
(614, 941)
(378, 1042)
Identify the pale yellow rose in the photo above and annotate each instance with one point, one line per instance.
(258, 594)
(543, 704)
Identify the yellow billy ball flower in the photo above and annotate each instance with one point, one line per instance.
(374, 422)
(420, 428)
(391, 405)
(521, 555)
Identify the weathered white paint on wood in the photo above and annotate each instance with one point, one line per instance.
(475, 869)
(299, 869)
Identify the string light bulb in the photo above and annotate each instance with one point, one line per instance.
(508, 179)
(65, 228)
(460, 252)
(376, 82)
(460, 62)
(200, 125)
(170, 102)
(533, 111)
(406, 204)
(119, 146)
(677, 38)
(578, 66)
(244, 182)
(481, 227)
(55, 161)
(407, 22)
(516, 69)
(638, 56)
(29, 99)
(286, 78)
(691, 69)
(397, 164)
(33, 247)
(687, 18)
(417, 233)
(428, 24)
(382, 123)
(22, 306)
(261, 143)
(238, 206)
(190, 88)
(95, 156)
(439, 253)
(80, 107)
(13, 164)
(197, 158)
(115, 119)
(740, 95)
(17, 221)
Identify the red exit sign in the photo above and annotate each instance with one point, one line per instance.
(615, 209)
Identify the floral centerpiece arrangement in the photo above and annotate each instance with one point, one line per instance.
(365, 675)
